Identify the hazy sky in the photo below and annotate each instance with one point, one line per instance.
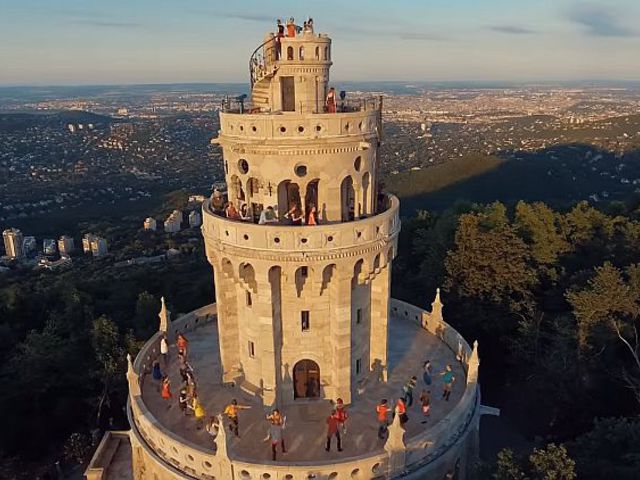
(157, 41)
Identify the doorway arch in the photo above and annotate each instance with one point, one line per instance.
(306, 379)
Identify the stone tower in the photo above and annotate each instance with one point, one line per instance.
(302, 309)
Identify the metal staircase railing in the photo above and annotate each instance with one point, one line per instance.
(262, 62)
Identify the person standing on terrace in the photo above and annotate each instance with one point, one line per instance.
(312, 217)
(182, 343)
(279, 37)
(294, 215)
(231, 212)
(268, 215)
(291, 28)
(331, 101)
(231, 411)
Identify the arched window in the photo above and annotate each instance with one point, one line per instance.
(326, 53)
(317, 53)
(289, 53)
(347, 199)
(301, 53)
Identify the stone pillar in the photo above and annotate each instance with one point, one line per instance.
(132, 378)
(165, 317)
(222, 450)
(226, 299)
(378, 347)
(341, 292)
(473, 365)
(395, 448)
(266, 348)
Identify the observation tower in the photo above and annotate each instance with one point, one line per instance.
(301, 246)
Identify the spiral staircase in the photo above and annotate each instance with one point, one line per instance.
(262, 68)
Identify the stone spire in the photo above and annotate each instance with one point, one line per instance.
(132, 378)
(473, 364)
(165, 317)
(436, 307)
(395, 447)
(222, 443)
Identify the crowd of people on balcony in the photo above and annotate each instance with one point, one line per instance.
(293, 216)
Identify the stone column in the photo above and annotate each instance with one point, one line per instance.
(395, 448)
(266, 348)
(226, 300)
(380, 288)
(341, 293)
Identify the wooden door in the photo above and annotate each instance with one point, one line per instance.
(288, 94)
(306, 379)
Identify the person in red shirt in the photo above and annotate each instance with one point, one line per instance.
(341, 415)
(182, 344)
(382, 412)
(333, 430)
(291, 28)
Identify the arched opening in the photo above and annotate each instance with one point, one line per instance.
(306, 379)
(366, 202)
(237, 193)
(326, 53)
(301, 53)
(288, 196)
(289, 53)
(317, 53)
(347, 199)
(311, 199)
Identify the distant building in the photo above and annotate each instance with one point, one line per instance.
(86, 242)
(195, 220)
(29, 245)
(49, 246)
(173, 222)
(13, 242)
(98, 246)
(65, 245)
(150, 224)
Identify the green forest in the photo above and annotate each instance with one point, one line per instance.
(553, 298)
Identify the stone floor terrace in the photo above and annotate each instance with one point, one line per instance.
(305, 433)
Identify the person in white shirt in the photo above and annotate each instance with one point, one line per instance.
(268, 215)
(164, 350)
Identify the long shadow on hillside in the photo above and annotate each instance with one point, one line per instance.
(560, 175)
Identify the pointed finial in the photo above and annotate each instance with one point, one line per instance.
(436, 306)
(132, 378)
(473, 364)
(221, 438)
(165, 316)
(395, 447)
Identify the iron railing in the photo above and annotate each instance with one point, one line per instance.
(263, 60)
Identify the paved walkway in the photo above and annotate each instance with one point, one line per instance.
(305, 435)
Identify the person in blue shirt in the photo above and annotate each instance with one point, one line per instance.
(449, 379)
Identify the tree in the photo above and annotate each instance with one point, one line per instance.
(611, 301)
(543, 229)
(146, 316)
(110, 356)
(609, 450)
(490, 262)
(552, 463)
(549, 463)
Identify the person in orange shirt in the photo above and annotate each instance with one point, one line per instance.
(291, 28)
(382, 412)
(231, 411)
(312, 216)
(401, 410)
(331, 104)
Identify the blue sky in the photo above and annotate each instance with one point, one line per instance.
(44, 42)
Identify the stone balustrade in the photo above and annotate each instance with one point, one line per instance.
(321, 239)
(292, 126)
(434, 450)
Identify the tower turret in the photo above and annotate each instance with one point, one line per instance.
(302, 271)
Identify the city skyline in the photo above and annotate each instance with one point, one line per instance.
(79, 43)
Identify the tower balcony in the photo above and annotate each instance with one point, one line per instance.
(326, 239)
(354, 117)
